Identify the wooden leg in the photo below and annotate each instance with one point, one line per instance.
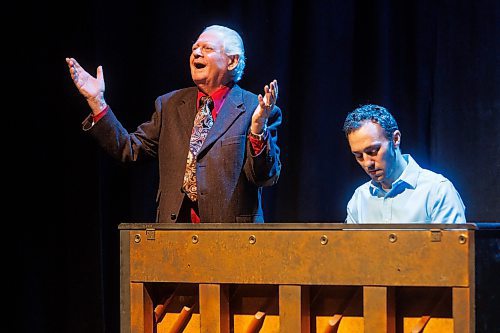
(141, 309)
(463, 310)
(125, 282)
(214, 308)
(379, 309)
(294, 309)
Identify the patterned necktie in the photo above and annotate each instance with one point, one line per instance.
(202, 124)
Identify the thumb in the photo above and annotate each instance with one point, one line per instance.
(100, 74)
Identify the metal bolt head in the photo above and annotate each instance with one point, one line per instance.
(462, 239)
(137, 238)
(194, 239)
(252, 239)
(323, 240)
(393, 238)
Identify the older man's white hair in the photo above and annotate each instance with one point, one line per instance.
(233, 45)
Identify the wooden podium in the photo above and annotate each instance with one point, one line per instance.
(297, 277)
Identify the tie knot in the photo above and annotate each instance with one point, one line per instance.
(206, 101)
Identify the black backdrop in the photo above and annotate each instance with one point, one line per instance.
(434, 64)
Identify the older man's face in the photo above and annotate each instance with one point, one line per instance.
(208, 62)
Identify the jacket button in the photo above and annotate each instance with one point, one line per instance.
(173, 216)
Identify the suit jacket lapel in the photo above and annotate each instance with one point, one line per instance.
(187, 112)
(231, 109)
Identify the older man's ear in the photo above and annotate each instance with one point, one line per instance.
(233, 62)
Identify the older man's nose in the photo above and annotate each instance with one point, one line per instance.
(197, 52)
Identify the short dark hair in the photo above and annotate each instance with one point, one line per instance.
(370, 112)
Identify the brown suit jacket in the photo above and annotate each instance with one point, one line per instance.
(229, 177)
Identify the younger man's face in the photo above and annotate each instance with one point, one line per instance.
(374, 152)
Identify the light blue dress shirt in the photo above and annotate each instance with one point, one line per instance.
(417, 196)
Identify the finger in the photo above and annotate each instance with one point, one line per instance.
(77, 66)
(272, 93)
(268, 99)
(264, 108)
(70, 63)
(273, 89)
(261, 100)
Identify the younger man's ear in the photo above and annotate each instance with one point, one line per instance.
(396, 138)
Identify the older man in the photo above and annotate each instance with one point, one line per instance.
(399, 191)
(216, 143)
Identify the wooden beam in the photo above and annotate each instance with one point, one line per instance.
(294, 309)
(379, 309)
(214, 308)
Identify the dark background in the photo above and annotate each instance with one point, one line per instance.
(434, 64)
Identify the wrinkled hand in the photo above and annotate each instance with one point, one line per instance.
(92, 88)
(266, 105)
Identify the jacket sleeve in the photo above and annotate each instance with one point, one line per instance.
(125, 146)
(264, 168)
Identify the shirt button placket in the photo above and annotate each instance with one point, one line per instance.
(387, 209)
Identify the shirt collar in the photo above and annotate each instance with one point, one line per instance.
(410, 173)
(218, 96)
